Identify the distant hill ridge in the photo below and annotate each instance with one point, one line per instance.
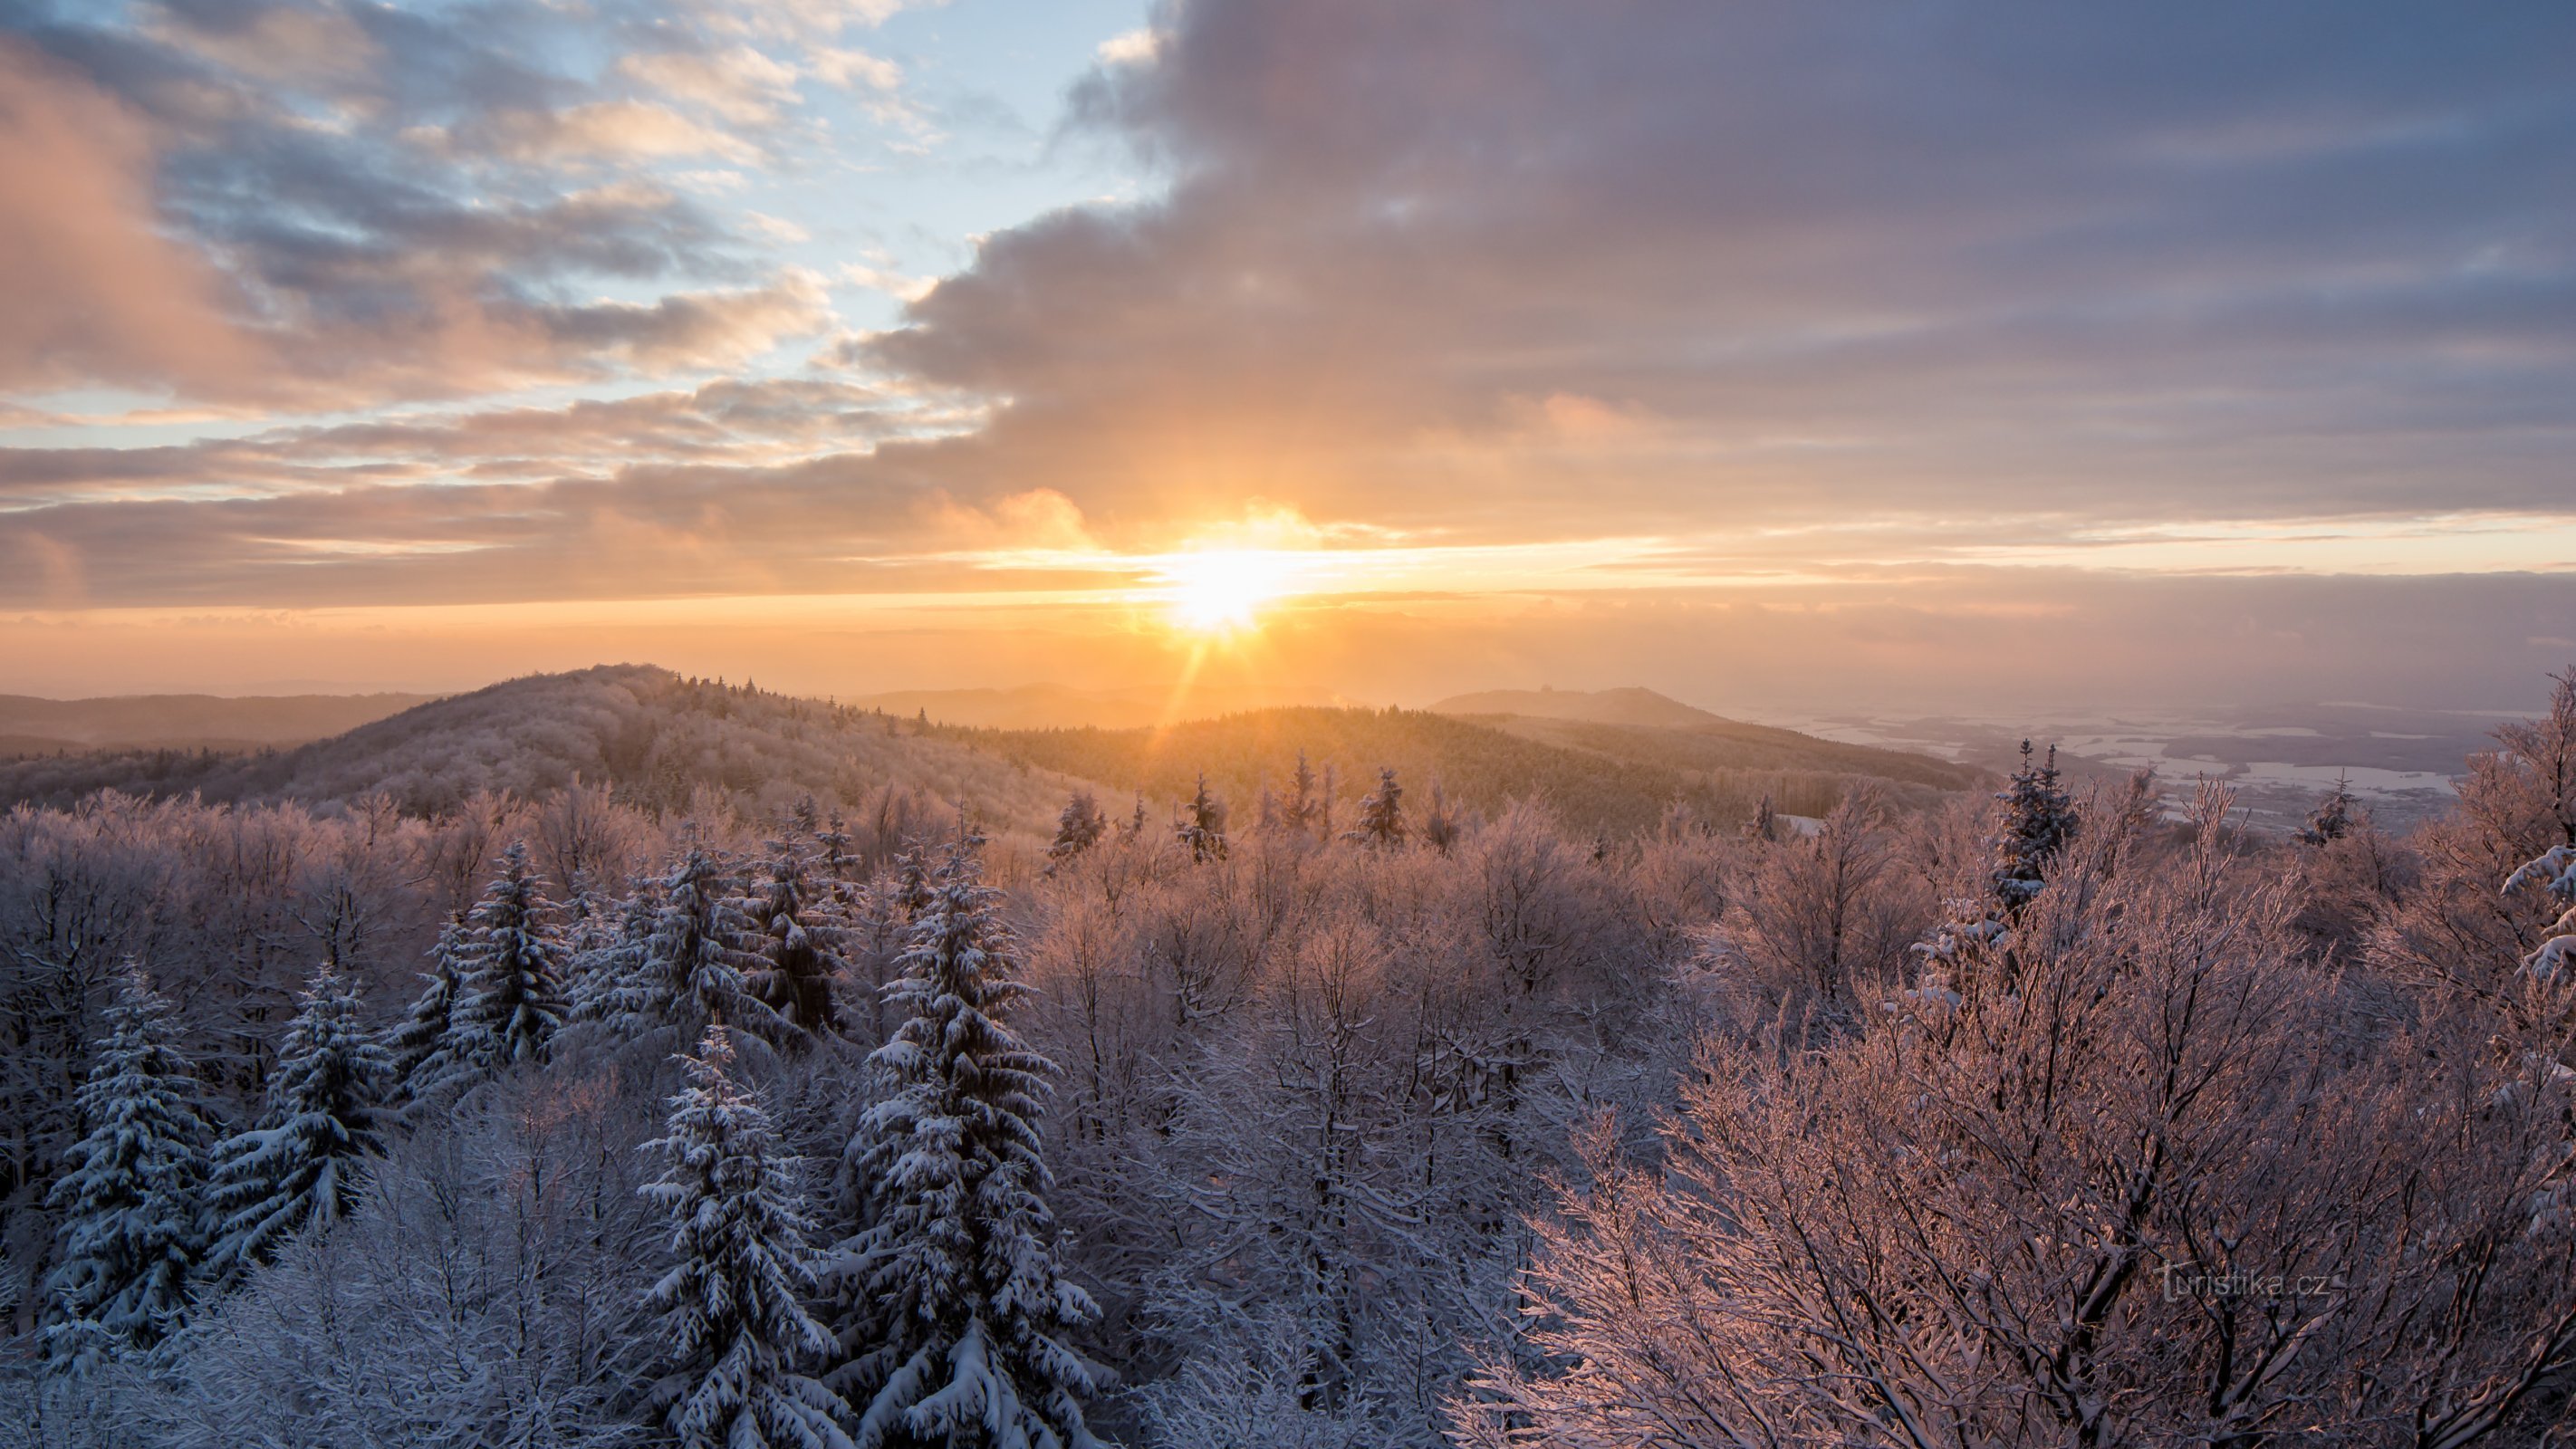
(659, 740)
(31, 726)
(1629, 706)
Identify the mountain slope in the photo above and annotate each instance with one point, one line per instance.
(1608, 779)
(653, 736)
(1642, 726)
(1629, 706)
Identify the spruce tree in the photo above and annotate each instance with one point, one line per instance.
(1381, 823)
(424, 1027)
(2038, 821)
(687, 970)
(739, 1339)
(1439, 823)
(1300, 809)
(510, 990)
(2333, 819)
(304, 1165)
(1077, 829)
(795, 936)
(956, 1309)
(1202, 825)
(132, 1201)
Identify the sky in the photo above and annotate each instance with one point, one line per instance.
(1927, 355)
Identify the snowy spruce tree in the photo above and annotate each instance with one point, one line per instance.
(739, 1341)
(955, 1308)
(1077, 829)
(423, 1029)
(1202, 825)
(687, 969)
(132, 1197)
(2037, 820)
(793, 936)
(2334, 817)
(1381, 823)
(303, 1165)
(510, 986)
(1300, 809)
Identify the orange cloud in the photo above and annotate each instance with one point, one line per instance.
(95, 290)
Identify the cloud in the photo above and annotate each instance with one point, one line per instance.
(2203, 262)
(92, 285)
(693, 330)
(311, 204)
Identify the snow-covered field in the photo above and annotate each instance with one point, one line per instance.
(2280, 758)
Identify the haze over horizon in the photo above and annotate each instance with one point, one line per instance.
(1935, 357)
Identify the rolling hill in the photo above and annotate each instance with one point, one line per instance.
(659, 740)
(653, 736)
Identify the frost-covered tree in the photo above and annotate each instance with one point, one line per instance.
(1201, 828)
(795, 936)
(132, 1201)
(415, 1040)
(303, 1165)
(1077, 828)
(739, 1339)
(2334, 817)
(688, 969)
(510, 988)
(956, 1307)
(2038, 820)
(1301, 806)
(1381, 824)
(1765, 824)
(1440, 828)
(2553, 873)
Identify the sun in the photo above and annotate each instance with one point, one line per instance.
(1221, 590)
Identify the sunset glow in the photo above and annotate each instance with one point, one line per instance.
(1218, 590)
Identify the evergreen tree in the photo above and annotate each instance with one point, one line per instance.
(1202, 825)
(2332, 820)
(424, 1027)
(302, 1167)
(1381, 823)
(133, 1197)
(687, 970)
(740, 1340)
(796, 938)
(510, 989)
(1077, 829)
(2038, 821)
(1301, 795)
(911, 881)
(1135, 826)
(1765, 824)
(1439, 823)
(956, 1308)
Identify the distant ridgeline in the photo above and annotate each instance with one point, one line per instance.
(663, 741)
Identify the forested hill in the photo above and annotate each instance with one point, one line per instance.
(662, 741)
(654, 737)
(1601, 779)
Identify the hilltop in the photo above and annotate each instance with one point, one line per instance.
(651, 735)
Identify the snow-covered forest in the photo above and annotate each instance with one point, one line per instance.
(632, 1105)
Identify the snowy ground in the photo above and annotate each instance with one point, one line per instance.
(2281, 758)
